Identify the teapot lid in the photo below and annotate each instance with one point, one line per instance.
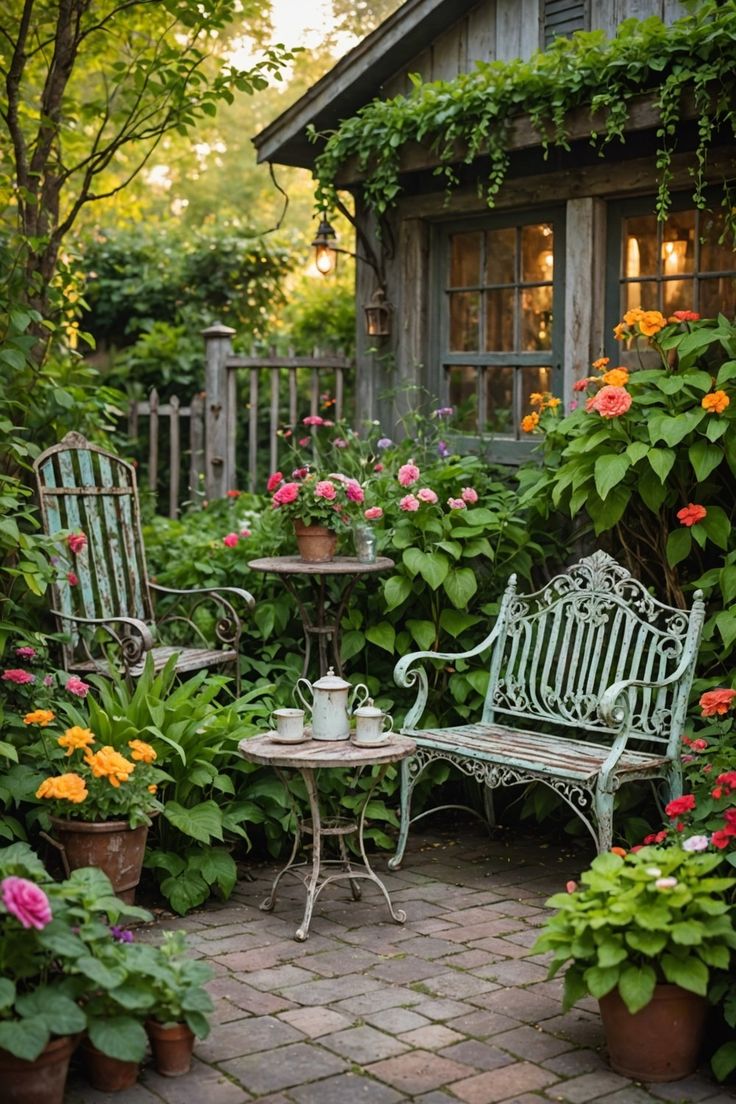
(331, 681)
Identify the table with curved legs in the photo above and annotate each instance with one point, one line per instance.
(308, 759)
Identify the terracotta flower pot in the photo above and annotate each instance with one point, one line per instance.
(662, 1041)
(41, 1081)
(105, 1073)
(112, 845)
(172, 1046)
(316, 543)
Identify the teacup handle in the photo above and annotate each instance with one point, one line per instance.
(298, 694)
(366, 693)
(390, 726)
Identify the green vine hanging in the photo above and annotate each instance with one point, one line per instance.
(472, 114)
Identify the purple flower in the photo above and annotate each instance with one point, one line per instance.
(442, 450)
(384, 442)
(443, 412)
(122, 935)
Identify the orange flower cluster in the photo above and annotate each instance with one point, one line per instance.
(141, 751)
(67, 787)
(637, 321)
(543, 400)
(530, 422)
(75, 738)
(40, 717)
(715, 402)
(110, 764)
(612, 399)
(691, 514)
(716, 702)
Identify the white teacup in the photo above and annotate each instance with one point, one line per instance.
(372, 725)
(289, 724)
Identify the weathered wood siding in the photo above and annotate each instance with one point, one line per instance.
(605, 15)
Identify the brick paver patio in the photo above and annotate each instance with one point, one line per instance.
(451, 1007)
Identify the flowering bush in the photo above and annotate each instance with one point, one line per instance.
(656, 915)
(332, 500)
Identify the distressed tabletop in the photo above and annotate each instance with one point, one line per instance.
(340, 565)
(313, 754)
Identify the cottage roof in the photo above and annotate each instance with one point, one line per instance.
(357, 78)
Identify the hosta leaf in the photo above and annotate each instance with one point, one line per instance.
(636, 986)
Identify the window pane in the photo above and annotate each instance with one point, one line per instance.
(464, 317)
(462, 384)
(500, 320)
(640, 246)
(537, 260)
(465, 260)
(500, 400)
(714, 257)
(534, 381)
(678, 244)
(677, 295)
(717, 294)
(536, 318)
(501, 256)
(642, 295)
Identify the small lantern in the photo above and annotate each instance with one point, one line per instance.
(325, 251)
(378, 315)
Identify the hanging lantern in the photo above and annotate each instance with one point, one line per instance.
(325, 248)
(378, 315)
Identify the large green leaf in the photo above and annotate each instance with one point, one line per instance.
(7, 992)
(202, 822)
(679, 543)
(704, 458)
(186, 891)
(396, 590)
(661, 460)
(690, 973)
(608, 472)
(121, 1037)
(460, 586)
(24, 1038)
(382, 635)
(636, 986)
(423, 633)
(717, 525)
(218, 868)
(674, 429)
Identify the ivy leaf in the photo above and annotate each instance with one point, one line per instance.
(423, 633)
(636, 986)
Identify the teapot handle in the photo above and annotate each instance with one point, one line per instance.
(355, 703)
(299, 696)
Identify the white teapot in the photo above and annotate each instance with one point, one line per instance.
(331, 704)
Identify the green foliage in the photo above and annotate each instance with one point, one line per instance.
(473, 114)
(178, 986)
(657, 915)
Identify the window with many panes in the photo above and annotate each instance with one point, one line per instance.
(501, 320)
(686, 262)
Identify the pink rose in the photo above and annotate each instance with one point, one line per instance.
(408, 474)
(48, 680)
(373, 513)
(340, 442)
(354, 491)
(409, 503)
(610, 402)
(26, 902)
(245, 533)
(300, 473)
(77, 687)
(313, 420)
(456, 503)
(273, 481)
(325, 489)
(26, 652)
(288, 492)
(303, 442)
(77, 543)
(17, 675)
(469, 494)
(581, 384)
(426, 494)
(378, 467)
(230, 540)
(72, 579)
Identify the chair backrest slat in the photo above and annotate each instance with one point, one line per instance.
(91, 505)
(81, 564)
(128, 572)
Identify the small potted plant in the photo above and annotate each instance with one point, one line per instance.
(180, 1006)
(318, 506)
(642, 935)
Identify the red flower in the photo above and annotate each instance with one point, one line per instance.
(71, 578)
(581, 384)
(714, 702)
(699, 745)
(17, 675)
(728, 779)
(730, 818)
(656, 837)
(77, 542)
(691, 514)
(230, 540)
(685, 316)
(722, 838)
(273, 481)
(286, 494)
(684, 804)
(233, 494)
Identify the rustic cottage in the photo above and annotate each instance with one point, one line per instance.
(492, 303)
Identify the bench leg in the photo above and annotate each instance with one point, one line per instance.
(405, 814)
(603, 808)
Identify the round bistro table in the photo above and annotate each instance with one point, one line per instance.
(317, 622)
(308, 758)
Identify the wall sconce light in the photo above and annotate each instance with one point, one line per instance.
(378, 315)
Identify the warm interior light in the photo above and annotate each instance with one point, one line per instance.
(633, 259)
(674, 255)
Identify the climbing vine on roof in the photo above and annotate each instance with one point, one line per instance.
(472, 115)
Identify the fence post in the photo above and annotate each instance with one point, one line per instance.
(196, 447)
(218, 347)
(153, 442)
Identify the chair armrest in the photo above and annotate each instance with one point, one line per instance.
(404, 677)
(133, 643)
(244, 595)
(229, 625)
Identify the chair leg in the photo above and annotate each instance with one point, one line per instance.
(488, 807)
(603, 808)
(407, 785)
(673, 782)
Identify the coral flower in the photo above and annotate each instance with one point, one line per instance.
(616, 377)
(530, 422)
(409, 503)
(230, 540)
(75, 738)
(426, 494)
(26, 902)
(684, 316)
(141, 751)
(40, 717)
(373, 513)
(18, 676)
(716, 702)
(679, 805)
(651, 322)
(581, 384)
(610, 402)
(273, 481)
(72, 578)
(354, 492)
(233, 494)
(691, 514)
(408, 474)
(287, 493)
(77, 542)
(65, 787)
(77, 687)
(716, 402)
(469, 494)
(314, 420)
(325, 489)
(110, 764)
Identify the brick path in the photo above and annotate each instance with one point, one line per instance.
(451, 1007)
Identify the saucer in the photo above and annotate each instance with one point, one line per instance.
(277, 738)
(372, 743)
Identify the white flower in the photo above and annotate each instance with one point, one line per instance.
(665, 883)
(653, 871)
(695, 843)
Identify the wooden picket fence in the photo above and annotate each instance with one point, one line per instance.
(172, 411)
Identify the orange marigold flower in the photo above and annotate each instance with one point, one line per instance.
(40, 717)
(633, 316)
(536, 399)
(619, 851)
(691, 514)
(530, 422)
(616, 377)
(552, 402)
(620, 331)
(110, 764)
(75, 738)
(600, 363)
(141, 751)
(651, 322)
(716, 702)
(67, 787)
(152, 788)
(716, 402)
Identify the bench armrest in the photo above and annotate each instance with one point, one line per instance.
(615, 716)
(405, 677)
(134, 641)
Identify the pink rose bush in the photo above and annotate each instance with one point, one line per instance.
(609, 402)
(77, 543)
(313, 499)
(26, 902)
(408, 474)
(409, 503)
(231, 540)
(18, 676)
(75, 686)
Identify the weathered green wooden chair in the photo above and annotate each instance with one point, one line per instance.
(103, 597)
(588, 688)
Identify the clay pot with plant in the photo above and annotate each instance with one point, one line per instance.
(644, 934)
(180, 1008)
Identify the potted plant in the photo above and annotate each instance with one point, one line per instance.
(180, 1007)
(642, 934)
(53, 941)
(101, 801)
(318, 506)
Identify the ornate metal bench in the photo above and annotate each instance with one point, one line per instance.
(83, 489)
(588, 690)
